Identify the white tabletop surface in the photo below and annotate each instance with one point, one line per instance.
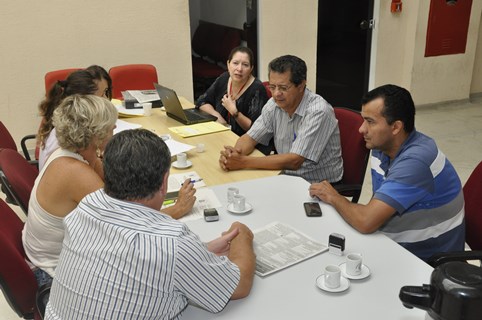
(291, 293)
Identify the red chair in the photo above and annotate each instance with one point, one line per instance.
(266, 86)
(353, 151)
(473, 222)
(7, 142)
(16, 278)
(54, 76)
(132, 77)
(17, 177)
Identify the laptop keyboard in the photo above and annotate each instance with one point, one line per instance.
(194, 116)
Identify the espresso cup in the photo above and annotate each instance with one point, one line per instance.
(200, 147)
(181, 159)
(231, 192)
(239, 202)
(353, 264)
(332, 276)
(147, 107)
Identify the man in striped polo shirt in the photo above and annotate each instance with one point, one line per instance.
(417, 195)
(302, 125)
(123, 259)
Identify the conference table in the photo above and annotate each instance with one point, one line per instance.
(291, 293)
(204, 163)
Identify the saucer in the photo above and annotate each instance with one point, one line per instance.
(247, 208)
(344, 284)
(188, 164)
(365, 272)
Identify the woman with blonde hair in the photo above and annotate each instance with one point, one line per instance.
(84, 124)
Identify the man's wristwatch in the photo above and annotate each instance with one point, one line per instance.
(236, 114)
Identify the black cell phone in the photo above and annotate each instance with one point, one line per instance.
(312, 209)
(211, 215)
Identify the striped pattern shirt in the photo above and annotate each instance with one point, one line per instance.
(312, 132)
(422, 185)
(122, 260)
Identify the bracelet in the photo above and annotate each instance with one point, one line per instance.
(236, 114)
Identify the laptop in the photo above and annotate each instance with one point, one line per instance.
(174, 109)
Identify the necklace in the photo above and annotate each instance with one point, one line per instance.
(231, 89)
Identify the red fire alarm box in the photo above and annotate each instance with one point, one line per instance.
(448, 24)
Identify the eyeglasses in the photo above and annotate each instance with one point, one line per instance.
(281, 88)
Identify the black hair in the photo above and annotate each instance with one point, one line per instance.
(398, 104)
(295, 65)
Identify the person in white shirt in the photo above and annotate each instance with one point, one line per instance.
(123, 259)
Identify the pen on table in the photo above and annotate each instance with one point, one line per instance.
(167, 202)
(193, 181)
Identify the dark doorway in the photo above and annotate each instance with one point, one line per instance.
(251, 30)
(343, 52)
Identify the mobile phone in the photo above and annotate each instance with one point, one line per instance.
(211, 215)
(312, 209)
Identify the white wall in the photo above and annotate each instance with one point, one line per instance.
(401, 60)
(289, 27)
(476, 86)
(40, 36)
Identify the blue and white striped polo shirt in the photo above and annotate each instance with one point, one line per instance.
(122, 260)
(422, 185)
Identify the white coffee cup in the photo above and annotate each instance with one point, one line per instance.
(239, 202)
(231, 192)
(332, 276)
(200, 147)
(354, 264)
(147, 107)
(181, 159)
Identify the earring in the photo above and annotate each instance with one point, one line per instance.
(99, 153)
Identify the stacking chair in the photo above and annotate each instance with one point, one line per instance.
(353, 151)
(473, 222)
(17, 280)
(17, 177)
(132, 77)
(268, 91)
(54, 76)
(7, 142)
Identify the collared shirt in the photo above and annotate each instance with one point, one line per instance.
(311, 132)
(122, 260)
(424, 188)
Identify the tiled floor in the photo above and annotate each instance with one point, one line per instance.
(456, 127)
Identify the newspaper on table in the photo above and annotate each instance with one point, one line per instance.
(278, 246)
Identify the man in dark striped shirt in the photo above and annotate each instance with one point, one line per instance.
(123, 259)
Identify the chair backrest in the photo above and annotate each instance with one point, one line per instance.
(132, 77)
(473, 209)
(353, 150)
(268, 91)
(6, 139)
(54, 76)
(18, 176)
(16, 278)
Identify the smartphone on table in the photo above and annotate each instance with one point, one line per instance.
(312, 209)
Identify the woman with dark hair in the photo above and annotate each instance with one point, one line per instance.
(236, 97)
(92, 80)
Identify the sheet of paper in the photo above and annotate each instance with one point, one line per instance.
(144, 95)
(122, 125)
(176, 147)
(205, 198)
(278, 246)
(176, 180)
(198, 129)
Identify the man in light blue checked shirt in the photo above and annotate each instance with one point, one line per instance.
(302, 125)
(123, 259)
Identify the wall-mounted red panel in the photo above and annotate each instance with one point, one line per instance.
(448, 23)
